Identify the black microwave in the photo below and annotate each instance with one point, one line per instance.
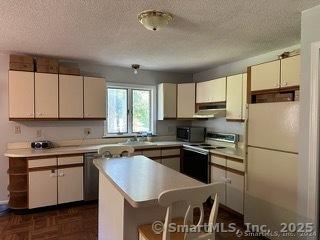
(191, 134)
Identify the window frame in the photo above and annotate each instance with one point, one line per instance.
(130, 88)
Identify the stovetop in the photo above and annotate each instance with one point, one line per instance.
(203, 146)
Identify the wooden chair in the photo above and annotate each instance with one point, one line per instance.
(115, 151)
(194, 197)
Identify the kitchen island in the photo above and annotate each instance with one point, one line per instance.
(128, 194)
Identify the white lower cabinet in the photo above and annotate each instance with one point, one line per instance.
(235, 191)
(173, 163)
(55, 181)
(70, 184)
(219, 175)
(42, 188)
(231, 192)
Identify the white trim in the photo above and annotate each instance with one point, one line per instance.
(153, 90)
(4, 202)
(312, 210)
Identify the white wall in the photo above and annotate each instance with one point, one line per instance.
(220, 124)
(61, 130)
(309, 33)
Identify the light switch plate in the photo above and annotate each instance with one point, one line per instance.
(39, 133)
(17, 129)
(87, 131)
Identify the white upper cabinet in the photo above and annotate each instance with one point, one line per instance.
(234, 103)
(186, 100)
(265, 76)
(70, 96)
(290, 71)
(94, 97)
(21, 94)
(211, 91)
(46, 95)
(167, 101)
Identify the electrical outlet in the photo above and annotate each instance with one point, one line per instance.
(39, 133)
(17, 130)
(87, 131)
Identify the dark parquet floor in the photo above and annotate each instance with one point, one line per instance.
(78, 222)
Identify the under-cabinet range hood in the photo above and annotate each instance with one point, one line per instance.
(210, 110)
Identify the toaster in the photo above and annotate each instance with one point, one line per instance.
(42, 145)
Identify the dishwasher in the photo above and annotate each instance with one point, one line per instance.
(91, 177)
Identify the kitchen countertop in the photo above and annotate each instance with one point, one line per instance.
(29, 152)
(238, 153)
(140, 180)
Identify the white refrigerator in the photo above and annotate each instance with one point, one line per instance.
(272, 164)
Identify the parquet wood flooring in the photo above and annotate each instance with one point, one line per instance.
(77, 222)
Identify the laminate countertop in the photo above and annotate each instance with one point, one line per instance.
(238, 153)
(29, 152)
(140, 180)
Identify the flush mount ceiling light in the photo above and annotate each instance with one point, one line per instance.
(135, 68)
(153, 20)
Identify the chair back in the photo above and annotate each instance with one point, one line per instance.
(115, 151)
(194, 197)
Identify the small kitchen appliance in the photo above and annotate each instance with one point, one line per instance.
(42, 145)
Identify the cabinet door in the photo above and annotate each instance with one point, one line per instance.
(234, 97)
(202, 92)
(212, 91)
(217, 90)
(244, 95)
(219, 175)
(94, 97)
(70, 184)
(167, 101)
(235, 191)
(173, 163)
(21, 94)
(290, 71)
(265, 76)
(186, 100)
(70, 96)
(42, 188)
(46, 95)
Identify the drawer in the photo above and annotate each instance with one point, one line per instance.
(170, 152)
(70, 160)
(234, 164)
(42, 162)
(219, 160)
(152, 153)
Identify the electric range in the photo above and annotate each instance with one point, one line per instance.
(195, 158)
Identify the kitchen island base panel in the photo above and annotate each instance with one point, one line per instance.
(119, 220)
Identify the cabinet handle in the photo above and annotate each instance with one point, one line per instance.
(61, 174)
(228, 180)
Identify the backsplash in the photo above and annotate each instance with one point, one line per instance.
(222, 126)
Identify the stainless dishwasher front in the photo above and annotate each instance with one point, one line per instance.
(91, 177)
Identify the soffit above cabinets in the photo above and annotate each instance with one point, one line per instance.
(201, 36)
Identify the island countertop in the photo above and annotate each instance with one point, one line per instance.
(140, 180)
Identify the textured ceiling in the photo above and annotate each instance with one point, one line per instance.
(205, 33)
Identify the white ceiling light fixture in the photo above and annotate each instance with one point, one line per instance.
(135, 68)
(153, 20)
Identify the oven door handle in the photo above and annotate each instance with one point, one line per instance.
(194, 150)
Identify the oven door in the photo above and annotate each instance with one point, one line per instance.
(196, 165)
(183, 134)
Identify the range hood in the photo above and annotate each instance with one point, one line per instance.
(210, 110)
